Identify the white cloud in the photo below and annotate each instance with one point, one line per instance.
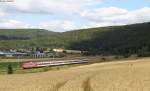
(2, 13)
(14, 24)
(58, 25)
(78, 10)
(55, 25)
(48, 6)
(116, 16)
(104, 12)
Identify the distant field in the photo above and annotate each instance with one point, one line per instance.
(17, 63)
(129, 75)
(17, 68)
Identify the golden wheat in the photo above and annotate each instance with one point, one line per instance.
(113, 76)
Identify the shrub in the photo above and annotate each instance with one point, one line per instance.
(126, 55)
(116, 57)
(104, 59)
(147, 54)
(10, 69)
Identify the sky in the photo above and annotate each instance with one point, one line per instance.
(67, 15)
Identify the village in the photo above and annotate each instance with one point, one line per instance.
(37, 53)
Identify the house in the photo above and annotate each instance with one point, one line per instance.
(55, 54)
(46, 55)
(38, 55)
(11, 54)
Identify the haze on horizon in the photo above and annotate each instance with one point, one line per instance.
(65, 15)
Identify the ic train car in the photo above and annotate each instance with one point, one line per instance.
(33, 64)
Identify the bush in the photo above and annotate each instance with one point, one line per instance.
(104, 59)
(116, 57)
(10, 69)
(126, 55)
(46, 69)
(147, 54)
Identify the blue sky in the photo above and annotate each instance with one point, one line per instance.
(66, 15)
(126, 4)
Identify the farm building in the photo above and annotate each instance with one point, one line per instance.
(68, 51)
(73, 51)
(58, 50)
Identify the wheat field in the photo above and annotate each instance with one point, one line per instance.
(131, 75)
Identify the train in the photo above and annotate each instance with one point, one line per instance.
(39, 64)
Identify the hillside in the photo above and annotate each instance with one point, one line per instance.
(23, 34)
(104, 40)
(22, 38)
(117, 39)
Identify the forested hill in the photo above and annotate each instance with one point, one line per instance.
(114, 39)
(128, 39)
(23, 34)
